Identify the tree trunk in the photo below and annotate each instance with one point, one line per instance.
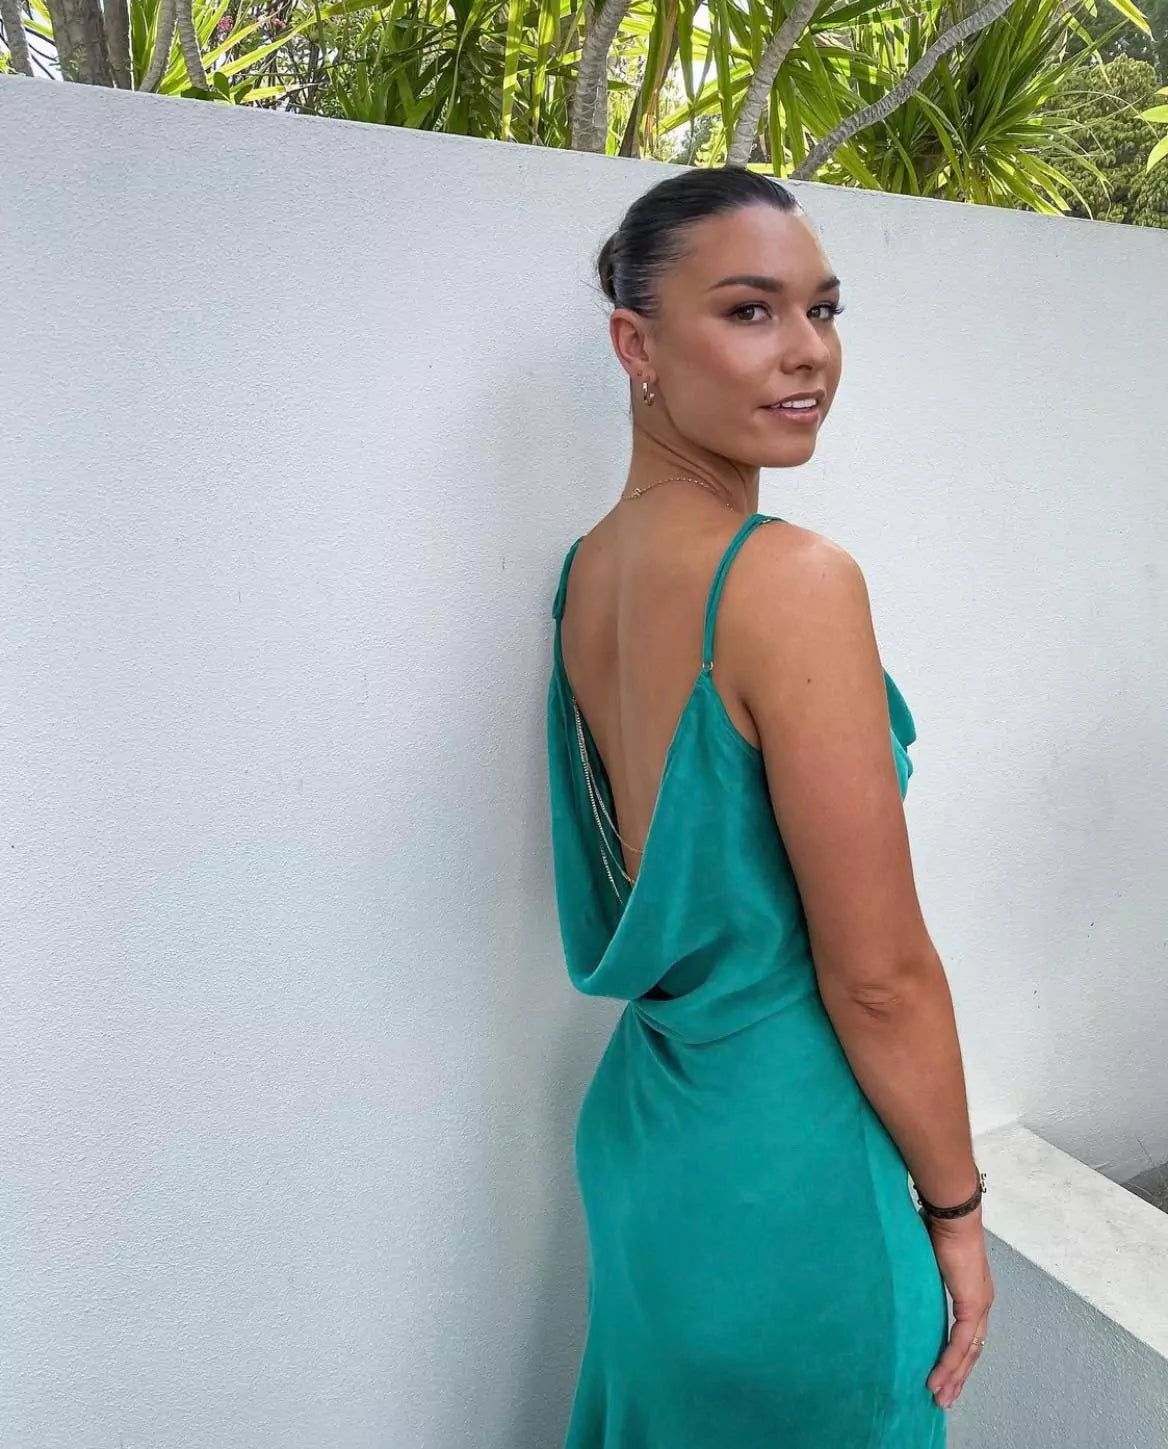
(117, 30)
(189, 42)
(590, 100)
(163, 40)
(628, 145)
(781, 44)
(79, 35)
(13, 18)
(911, 83)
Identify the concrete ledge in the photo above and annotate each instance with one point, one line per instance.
(1104, 1243)
(1078, 1337)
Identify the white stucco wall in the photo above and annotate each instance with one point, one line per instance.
(300, 418)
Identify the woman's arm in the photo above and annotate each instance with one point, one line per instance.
(806, 664)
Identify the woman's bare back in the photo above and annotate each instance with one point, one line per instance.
(632, 642)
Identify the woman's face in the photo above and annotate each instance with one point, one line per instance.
(744, 348)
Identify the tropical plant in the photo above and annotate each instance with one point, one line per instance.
(985, 120)
(1160, 149)
(990, 122)
(934, 98)
(1112, 178)
(209, 61)
(1137, 43)
(469, 67)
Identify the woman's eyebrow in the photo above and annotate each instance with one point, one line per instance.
(769, 284)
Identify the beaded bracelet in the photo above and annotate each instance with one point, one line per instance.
(928, 1209)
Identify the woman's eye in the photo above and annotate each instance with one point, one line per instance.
(749, 312)
(826, 311)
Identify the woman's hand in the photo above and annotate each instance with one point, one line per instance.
(959, 1244)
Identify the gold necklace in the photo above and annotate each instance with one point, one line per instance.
(609, 855)
(679, 478)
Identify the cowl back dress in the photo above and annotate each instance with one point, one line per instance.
(759, 1276)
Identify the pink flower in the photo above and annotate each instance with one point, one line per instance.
(225, 24)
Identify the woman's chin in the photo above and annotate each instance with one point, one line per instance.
(790, 454)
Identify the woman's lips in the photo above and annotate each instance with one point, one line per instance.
(798, 412)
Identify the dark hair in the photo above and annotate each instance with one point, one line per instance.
(652, 235)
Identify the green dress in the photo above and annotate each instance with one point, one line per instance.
(759, 1277)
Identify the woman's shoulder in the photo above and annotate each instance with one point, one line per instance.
(789, 555)
(790, 587)
(782, 560)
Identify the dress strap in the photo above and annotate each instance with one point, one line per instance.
(728, 558)
(562, 591)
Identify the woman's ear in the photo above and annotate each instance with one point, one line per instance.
(630, 342)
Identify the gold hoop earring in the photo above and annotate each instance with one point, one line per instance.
(647, 392)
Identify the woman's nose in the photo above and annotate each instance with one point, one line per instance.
(805, 347)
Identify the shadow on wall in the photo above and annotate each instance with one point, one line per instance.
(556, 1324)
(545, 1039)
(531, 1144)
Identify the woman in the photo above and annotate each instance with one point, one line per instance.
(728, 761)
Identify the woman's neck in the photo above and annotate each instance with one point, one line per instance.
(654, 459)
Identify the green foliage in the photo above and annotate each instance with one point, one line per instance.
(989, 125)
(1015, 116)
(232, 67)
(1117, 142)
(470, 67)
(1128, 40)
(1158, 114)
